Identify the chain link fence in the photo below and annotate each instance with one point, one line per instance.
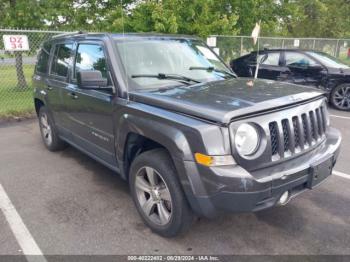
(17, 67)
(16, 70)
(230, 47)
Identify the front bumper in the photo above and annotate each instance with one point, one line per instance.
(232, 189)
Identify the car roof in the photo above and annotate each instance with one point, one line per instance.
(123, 35)
(284, 49)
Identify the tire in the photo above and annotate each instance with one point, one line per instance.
(159, 198)
(340, 97)
(49, 132)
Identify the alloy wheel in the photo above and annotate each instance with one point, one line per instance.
(341, 97)
(153, 196)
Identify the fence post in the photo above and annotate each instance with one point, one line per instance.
(241, 50)
(336, 53)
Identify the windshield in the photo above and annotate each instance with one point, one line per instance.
(327, 60)
(181, 57)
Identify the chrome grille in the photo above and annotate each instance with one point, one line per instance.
(297, 132)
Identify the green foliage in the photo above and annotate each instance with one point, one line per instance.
(199, 17)
(302, 18)
(316, 18)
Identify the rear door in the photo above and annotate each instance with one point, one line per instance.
(61, 64)
(90, 111)
(40, 77)
(270, 68)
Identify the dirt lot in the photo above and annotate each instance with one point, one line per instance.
(70, 204)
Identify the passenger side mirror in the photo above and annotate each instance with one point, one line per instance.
(91, 80)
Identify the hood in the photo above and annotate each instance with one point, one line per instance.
(339, 71)
(222, 101)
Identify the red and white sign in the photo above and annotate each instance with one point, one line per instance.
(16, 42)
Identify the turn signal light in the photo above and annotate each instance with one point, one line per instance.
(206, 160)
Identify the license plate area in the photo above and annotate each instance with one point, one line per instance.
(320, 171)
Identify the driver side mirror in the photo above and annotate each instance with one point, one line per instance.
(91, 80)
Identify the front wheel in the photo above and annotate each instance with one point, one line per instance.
(340, 97)
(157, 194)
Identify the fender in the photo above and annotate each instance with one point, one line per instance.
(182, 136)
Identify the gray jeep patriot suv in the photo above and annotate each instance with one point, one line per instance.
(170, 117)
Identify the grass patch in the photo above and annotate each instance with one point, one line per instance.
(344, 58)
(15, 102)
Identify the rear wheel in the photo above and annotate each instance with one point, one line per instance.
(340, 97)
(158, 195)
(48, 131)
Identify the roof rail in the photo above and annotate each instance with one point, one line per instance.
(68, 34)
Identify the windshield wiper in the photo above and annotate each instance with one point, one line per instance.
(211, 68)
(183, 79)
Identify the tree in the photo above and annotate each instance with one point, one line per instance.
(199, 17)
(316, 18)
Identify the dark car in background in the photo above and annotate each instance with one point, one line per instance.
(303, 67)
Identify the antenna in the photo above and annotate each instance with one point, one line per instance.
(123, 45)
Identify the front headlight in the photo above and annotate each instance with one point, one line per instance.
(247, 139)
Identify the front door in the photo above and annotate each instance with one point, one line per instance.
(90, 111)
(302, 69)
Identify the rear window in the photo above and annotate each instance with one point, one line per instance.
(62, 60)
(43, 58)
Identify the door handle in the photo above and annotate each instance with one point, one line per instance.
(72, 95)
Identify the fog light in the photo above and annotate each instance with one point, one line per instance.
(284, 198)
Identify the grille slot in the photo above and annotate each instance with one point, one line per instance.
(319, 121)
(323, 116)
(274, 137)
(297, 133)
(285, 134)
(312, 125)
(305, 127)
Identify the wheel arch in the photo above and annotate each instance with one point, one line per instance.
(173, 142)
(38, 103)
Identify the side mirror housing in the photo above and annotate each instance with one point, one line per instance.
(91, 80)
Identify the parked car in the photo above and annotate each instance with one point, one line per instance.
(304, 67)
(190, 138)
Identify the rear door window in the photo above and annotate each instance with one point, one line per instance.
(43, 58)
(273, 59)
(62, 60)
